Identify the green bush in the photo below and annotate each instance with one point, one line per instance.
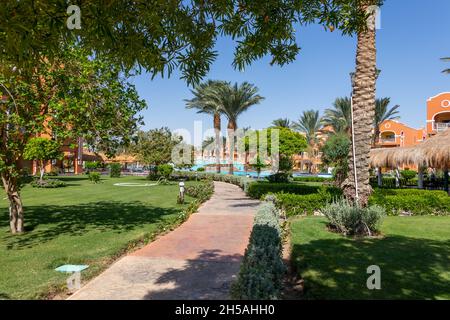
(262, 269)
(293, 204)
(164, 170)
(408, 174)
(258, 189)
(414, 201)
(94, 177)
(280, 177)
(242, 182)
(312, 179)
(115, 170)
(48, 183)
(351, 219)
(202, 191)
(202, 169)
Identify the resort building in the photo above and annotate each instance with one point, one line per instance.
(396, 134)
(438, 113)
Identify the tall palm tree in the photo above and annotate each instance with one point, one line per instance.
(282, 123)
(339, 118)
(309, 123)
(207, 100)
(383, 113)
(237, 99)
(447, 71)
(364, 86)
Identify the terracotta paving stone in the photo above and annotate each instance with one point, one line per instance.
(212, 242)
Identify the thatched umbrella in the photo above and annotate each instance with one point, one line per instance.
(433, 153)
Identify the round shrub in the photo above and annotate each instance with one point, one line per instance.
(115, 170)
(48, 183)
(164, 170)
(94, 177)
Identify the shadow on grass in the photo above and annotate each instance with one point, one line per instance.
(207, 277)
(411, 268)
(50, 222)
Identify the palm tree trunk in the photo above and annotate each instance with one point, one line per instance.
(376, 135)
(218, 141)
(231, 133)
(363, 115)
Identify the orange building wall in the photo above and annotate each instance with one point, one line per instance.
(404, 135)
(437, 105)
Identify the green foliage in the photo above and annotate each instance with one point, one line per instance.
(351, 219)
(201, 169)
(155, 146)
(408, 174)
(412, 201)
(258, 189)
(48, 184)
(164, 170)
(262, 269)
(202, 191)
(91, 165)
(280, 177)
(293, 204)
(115, 170)
(335, 153)
(42, 149)
(94, 177)
(309, 123)
(311, 179)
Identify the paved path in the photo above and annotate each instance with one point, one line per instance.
(198, 260)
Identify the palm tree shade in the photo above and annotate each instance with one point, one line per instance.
(339, 118)
(309, 124)
(446, 71)
(282, 123)
(383, 113)
(206, 100)
(235, 100)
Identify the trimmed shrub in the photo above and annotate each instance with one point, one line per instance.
(312, 179)
(280, 177)
(412, 201)
(94, 177)
(351, 219)
(202, 169)
(115, 170)
(164, 170)
(202, 191)
(293, 204)
(408, 174)
(258, 189)
(240, 181)
(48, 183)
(262, 268)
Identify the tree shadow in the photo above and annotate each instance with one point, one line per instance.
(51, 221)
(411, 268)
(207, 277)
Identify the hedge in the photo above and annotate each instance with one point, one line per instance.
(258, 189)
(242, 182)
(293, 204)
(312, 179)
(202, 191)
(415, 201)
(262, 269)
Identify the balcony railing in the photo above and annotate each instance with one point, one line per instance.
(441, 126)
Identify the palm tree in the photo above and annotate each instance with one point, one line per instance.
(309, 123)
(282, 123)
(235, 100)
(207, 100)
(339, 118)
(356, 186)
(383, 113)
(446, 71)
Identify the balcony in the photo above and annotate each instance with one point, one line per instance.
(441, 126)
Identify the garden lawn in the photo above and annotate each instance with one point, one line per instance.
(83, 223)
(414, 257)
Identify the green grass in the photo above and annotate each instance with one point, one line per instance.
(83, 223)
(414, 257)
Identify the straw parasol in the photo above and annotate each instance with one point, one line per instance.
(433, 153)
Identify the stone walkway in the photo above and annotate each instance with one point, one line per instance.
(198, 260)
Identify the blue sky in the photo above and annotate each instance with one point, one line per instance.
(413, 37)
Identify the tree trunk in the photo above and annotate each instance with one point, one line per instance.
(231, 134)
(420, 176)
(218, 140)
(446, 188)
(16, 221)
(363, 115)
(380, 177)
(376, 135)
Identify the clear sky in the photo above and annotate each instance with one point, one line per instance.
(414, 36)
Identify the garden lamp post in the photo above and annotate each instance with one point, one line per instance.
(181, 195)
